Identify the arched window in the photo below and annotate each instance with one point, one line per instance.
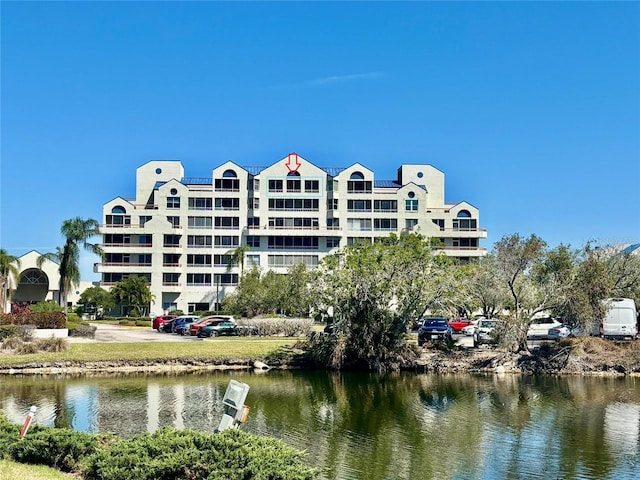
(464, 214)
(229, 174)
(293, 174)
(118, 210)
(356, 176)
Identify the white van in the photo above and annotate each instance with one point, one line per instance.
(620, 321)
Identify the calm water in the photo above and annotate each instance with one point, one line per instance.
(362, 426)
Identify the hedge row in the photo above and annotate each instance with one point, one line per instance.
(167, 454)
(37, 319)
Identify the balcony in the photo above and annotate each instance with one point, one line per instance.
(125, 245)
(123, 264)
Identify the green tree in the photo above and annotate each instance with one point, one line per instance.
(96, 300)
(482, 289)
(77, 232)
(9, 267)
(237, 257)
(375, 291)
(536, 279)
(134, 295)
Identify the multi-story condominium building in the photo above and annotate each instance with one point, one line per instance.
(180, 232)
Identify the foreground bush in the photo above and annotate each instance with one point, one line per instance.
(167, 454)
(38, 319)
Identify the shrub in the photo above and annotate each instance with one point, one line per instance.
(287, 327)
(25, 332)
(168, 454)
(59, 448)
(81, 330)
(7, 331)
(12, 343)
(39, 319)
(27, 348)
(52, 344)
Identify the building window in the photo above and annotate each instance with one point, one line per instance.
(253, 222)
(385, 224)
(255, 203)
(228, 222)
(293, 185)
(293, 222)
(221, 260)
(198, 260)
(294, 204)
(227, 185)
(311, 186)
(199, 222)
(332, 204)
(359, 205)
(172, 279)
(171, 260)
(356, 240)
(411, 205)
(174, 221)
(275, 185)
(118, 220)
(390, 206)
(199, 307)
(144, 219)
(200, 203)
(227, 204)
(253, 241)
(465, 224)
(333, 242)
(226, 278)
(199, 241)
(333, 223)
(256, 184)
(199, 279)
(439, 222)
(286, 261)
(357, 184)
(359, 224)
(410, 223)
(253, 260)
(293, 243)
(226, 241)
(173, 202)
(171, 241)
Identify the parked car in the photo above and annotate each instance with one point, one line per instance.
(459, 323)
(167, 325)
(559, 332)
(223, 327)
(207, 321)
(539, 328)
(180, 323)
(434, 328)
(485, 332)
(469, 330)
(621, 320)
(157, 321)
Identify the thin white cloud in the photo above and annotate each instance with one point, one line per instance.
(343, 78)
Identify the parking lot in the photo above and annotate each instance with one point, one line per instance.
(120, 334)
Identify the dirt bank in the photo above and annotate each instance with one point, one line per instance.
(583, 356)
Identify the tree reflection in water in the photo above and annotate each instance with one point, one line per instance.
(369, 426)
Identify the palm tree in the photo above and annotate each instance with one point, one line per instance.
(9, 267)
(76, 231)
(237, 258)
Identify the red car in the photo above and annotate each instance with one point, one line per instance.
(205, 322)
(459, 323)
(161, 319)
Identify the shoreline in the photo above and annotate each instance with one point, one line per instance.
(557, 361)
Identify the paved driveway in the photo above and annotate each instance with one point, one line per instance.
(120, 334)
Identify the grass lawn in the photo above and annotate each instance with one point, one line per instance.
(235, 347)
(19, 471)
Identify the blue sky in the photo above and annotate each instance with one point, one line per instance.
(532, 110)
